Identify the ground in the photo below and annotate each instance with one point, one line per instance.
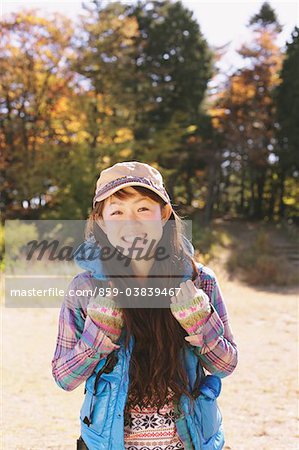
(258, 401)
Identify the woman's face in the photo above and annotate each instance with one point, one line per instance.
(134, 222)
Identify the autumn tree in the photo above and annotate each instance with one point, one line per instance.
(246, 114)
(105, 64)
(116, 88)
(142, 60)
(34, 79)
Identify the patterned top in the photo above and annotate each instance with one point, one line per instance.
(81, 343)
(146, 429)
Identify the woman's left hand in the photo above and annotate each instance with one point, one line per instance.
(191, 307)
(188, 292)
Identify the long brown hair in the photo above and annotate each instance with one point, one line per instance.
(156, 365)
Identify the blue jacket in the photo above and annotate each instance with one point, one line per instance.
(102, 412)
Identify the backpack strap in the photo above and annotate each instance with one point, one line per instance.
(200, 377)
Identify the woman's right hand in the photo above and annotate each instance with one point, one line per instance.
(107, 315)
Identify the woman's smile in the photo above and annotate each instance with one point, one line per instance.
(130, 238)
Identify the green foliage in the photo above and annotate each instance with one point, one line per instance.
(75, 183)
(173, 56)
(287, 99)
(17, 235)
(208, 242)
(266, 16)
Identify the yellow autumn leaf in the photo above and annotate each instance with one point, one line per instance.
(73, 127)
(106, 159)
(125, 153)
(156, 166)
(62, 105)
(104, 140)
(289, 201)
(123, 135)
(191, 128)
(82, 136)
(131, 28)
(215, 122)
(217, 112)
(64, 139)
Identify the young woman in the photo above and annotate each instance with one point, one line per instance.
(142, 324)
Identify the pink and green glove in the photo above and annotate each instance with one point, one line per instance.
(191, 307)
(106, 315)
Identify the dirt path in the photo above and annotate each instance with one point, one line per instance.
(258, 400)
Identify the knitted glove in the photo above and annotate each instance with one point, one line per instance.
(191, 307)
(106, 315)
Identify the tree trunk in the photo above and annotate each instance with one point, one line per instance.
(208, 212)
(281, 195)
(218, 195)
(272, 199)
(189, 190)
(252, 196)
(241, 205)
(260, 194)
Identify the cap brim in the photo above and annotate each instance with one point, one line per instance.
(121, 186)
